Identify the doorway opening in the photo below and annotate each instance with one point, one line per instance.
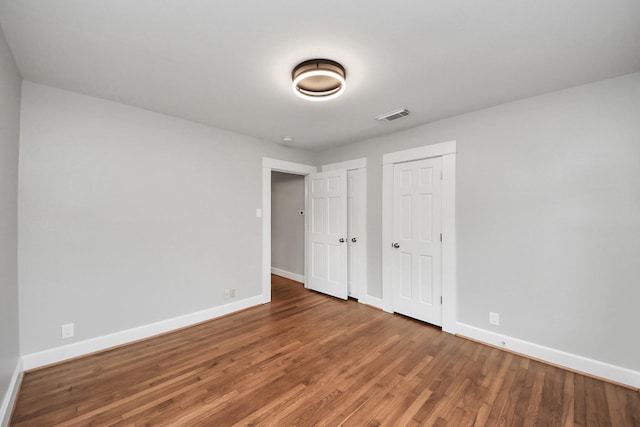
(268, 167)
(287, 225)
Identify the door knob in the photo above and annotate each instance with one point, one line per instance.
(396, 245)
(341, 240)
(353, 239)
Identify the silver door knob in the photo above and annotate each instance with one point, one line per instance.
(353, 239)
(341, 240)
(396, 245)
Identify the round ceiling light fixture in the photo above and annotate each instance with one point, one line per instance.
(318, 79)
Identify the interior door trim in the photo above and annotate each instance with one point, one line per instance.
(269, 165)
(446, 150)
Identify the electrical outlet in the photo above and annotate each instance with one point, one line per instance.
(494, 318)
(232, 293)
(227, 293)
(67, 331)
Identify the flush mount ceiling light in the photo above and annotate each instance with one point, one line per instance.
(318, 79)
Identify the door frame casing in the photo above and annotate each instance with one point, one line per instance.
(274, 165)
(446, 150)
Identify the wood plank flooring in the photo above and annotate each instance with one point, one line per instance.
(307, 359)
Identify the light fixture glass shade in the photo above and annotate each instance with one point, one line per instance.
(318, 79)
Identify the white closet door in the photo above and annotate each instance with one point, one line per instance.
(355, 230)
(327, 242)
(417, 248)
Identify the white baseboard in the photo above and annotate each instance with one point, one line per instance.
(287, 274)
(557, 357)
(372, 301)
(10, 396)
(59, 354)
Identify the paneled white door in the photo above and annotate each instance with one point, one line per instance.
(355, 232)
(327, 242)
(417, 247)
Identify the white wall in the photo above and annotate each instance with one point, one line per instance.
(129, 217)
(9, 136)
(287, 225)
(548, 216)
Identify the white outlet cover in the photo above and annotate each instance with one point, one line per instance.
(494, 318)
(67, 331)
(258, 213)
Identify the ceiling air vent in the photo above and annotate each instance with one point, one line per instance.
(392, 115)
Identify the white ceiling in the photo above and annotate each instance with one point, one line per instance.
(228, 63)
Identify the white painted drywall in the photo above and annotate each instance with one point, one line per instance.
(129, 217)
(287, 225)
(548, 216)
(10, 82)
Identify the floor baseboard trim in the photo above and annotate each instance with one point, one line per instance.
(372, 301)
(11, 395)
(287, 274)
(83, 348)
(591, 367)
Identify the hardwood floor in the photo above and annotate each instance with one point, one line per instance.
(308, 359)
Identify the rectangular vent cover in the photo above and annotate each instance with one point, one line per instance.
(393, 115)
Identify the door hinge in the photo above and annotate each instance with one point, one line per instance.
(440, 299)
(441, 237)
